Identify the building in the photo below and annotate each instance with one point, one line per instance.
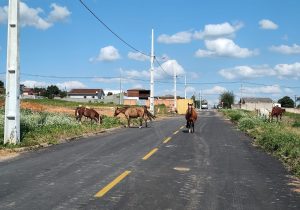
(252, 103)
(139, 93)
(86, 93)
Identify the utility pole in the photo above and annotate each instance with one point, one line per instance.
(200, 100)
(185, 86)
(295, 106)
(175, 91)
(152, 76)
(12, 99)
(120, 87)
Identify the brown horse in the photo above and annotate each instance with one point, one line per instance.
(135, 112)
(277, 111)
(191, 117)
(88, 113)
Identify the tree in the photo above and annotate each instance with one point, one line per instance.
(195, 102)
(52, 91)
(227, 99)
(63, 94)
(1, 84)
(286, 101)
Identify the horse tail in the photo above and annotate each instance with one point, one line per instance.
(76, 111)
(99, 119)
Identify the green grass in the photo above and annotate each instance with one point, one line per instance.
(42, 127)
(280, 139)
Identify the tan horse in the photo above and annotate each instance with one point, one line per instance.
(135, 112)
(191, 117)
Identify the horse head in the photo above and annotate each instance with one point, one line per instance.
(117, 111)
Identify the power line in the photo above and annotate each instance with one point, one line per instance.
(162, 67)
(114, 33)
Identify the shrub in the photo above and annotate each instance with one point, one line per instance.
(296, 124)
(246, 123)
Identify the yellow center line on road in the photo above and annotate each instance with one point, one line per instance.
(175, 132)
(166, 140)
(108, 187)
(150, 153)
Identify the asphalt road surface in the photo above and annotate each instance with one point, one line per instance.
(160, 167)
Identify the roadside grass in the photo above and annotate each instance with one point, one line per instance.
(282, 139)
(43, 127)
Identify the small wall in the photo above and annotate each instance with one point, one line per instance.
(292, 110)
(182, 105)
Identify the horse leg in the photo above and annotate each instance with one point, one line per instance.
(141, 122)
(193, 129)
(128, 121)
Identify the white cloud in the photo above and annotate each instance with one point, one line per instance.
(109, 53)
(215, 90)
(285, 49)
(190, 89)
(58, 13)
(224, 47)
(64, 85)
(137, 56)
(107, 80)
(33, 16)
(272, 89)
(70, 85)
(182, 37)
(169, 67)
(246, 72)
(267, 24)
(211, 31)
(172, 65)
(218, 30)
(288, 70)
(32, 83)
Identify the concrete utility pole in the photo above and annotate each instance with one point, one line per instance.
(185, 86)
(152, 76)
(12, 100)
(120, 88)
(175, 91)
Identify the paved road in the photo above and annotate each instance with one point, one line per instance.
(214, 168)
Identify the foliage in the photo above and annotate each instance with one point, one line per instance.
(63, 94)
(52, 91)
(227, 98)
(286, 101)
(246, 123)
(296, 124)
(44, 127)
(1, 84)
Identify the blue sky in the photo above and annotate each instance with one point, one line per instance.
(219, 45)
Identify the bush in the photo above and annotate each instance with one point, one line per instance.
(246, 123)
(296, 124)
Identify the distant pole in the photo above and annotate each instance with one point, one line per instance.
(295, 106)
(120, 88)
(185, 86)
(152, 76)
(175, 91)
(12, 99)
(200, 100)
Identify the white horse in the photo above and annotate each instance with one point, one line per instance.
(264, 113)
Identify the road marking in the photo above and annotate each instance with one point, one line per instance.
(182, 127)
(183, 169)
(167, 140)
(175, 132)
(150, 153)
(108, 187)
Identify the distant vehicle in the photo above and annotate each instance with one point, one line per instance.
(204, 106)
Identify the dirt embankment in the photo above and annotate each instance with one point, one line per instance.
(108, 111)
